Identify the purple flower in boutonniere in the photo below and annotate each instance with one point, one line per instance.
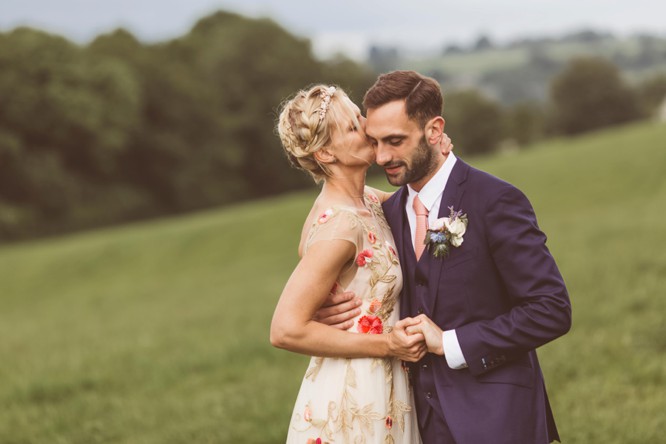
(446, 232)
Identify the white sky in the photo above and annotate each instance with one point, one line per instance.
(347, 25)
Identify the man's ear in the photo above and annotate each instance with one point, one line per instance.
(434, 130)
(324, 156)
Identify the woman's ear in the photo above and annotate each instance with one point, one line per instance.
(434, 130)
(324, 156)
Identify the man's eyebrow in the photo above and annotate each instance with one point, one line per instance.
(393, 136)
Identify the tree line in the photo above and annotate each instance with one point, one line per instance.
(589, 93)
(118, 130)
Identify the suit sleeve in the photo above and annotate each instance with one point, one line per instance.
(540, 307)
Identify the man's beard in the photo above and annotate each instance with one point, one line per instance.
(422, 164)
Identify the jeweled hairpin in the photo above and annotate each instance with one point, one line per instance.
(325, 95)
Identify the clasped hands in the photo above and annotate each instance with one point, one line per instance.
(409, 340)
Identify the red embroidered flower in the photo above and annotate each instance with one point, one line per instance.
(375, 305)
(363, 258)
(391, 249)
(389, 422)
(371, 237)
(325, 215)
(370, 324)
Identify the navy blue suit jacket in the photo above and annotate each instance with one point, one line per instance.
(503, 294)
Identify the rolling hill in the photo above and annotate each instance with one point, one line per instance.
(157, 332)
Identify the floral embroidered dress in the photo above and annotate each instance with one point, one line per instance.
(361, 400)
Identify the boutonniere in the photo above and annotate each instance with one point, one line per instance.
(446, 232)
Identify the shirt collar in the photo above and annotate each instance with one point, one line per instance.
(434, 188)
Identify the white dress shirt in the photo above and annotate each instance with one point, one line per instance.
(431, 197)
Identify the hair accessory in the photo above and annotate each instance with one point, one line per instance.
(325, 95)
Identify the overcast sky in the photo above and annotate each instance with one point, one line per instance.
(348, 25)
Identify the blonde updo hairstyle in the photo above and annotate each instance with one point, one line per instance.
(303, 131)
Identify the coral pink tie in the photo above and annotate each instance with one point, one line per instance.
(421, 227)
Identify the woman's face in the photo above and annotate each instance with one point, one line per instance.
(349, 142)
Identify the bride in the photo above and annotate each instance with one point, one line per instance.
(355, 388)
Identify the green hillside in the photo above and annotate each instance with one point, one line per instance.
(625, 51)
(158, 332)
(524, 71)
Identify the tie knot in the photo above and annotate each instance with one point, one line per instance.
(419, 208)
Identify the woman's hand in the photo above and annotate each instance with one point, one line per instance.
(423, 325)
(445, 145)
(404, 346)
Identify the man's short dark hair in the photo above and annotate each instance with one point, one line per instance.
(422, 95)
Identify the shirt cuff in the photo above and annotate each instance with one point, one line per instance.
(452, 352)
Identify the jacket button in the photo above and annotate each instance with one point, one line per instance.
(419, 311)
(428, 395)
(424, 366)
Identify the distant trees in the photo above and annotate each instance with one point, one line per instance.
(525, 123)
(589, 94)
(119, 130)
(65, 120)
(652, 93)
(483, 43)
(383, 59)
(473, 121)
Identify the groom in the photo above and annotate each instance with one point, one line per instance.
(486, 306)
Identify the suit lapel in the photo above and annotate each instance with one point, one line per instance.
(453, 192)
(394, 210)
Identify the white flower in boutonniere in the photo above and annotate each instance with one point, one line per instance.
(446, 232)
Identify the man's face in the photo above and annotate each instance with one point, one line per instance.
(400, 145)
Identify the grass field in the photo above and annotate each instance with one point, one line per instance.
(158, 332)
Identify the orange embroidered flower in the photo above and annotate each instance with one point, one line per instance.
(325, 215)
(371, 237)
(370, 324)
(363, 258)
(375, 305)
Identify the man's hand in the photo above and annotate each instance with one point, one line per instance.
(339, 310)
(423, 325)
(403, 346)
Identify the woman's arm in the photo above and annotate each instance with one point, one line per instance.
(308, 287)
